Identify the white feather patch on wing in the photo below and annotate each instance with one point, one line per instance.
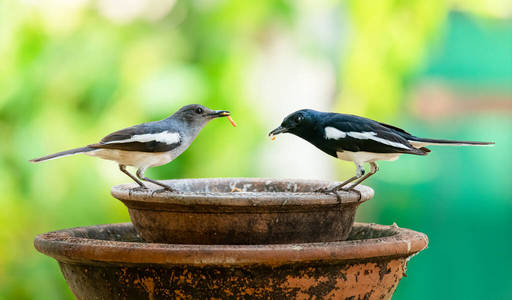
(370, 135)
(332, 133)
(162, 137)
(336, 134)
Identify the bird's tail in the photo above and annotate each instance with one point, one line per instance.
(421, 142)
(63, 154)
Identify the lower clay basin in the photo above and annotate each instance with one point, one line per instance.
(112, 262)
(241, 211)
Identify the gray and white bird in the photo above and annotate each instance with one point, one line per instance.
(149, 144)
(358, 139)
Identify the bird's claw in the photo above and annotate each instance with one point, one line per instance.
(352, 189)
(168, 189)
(139, 189)
(326, 190)
(162, 190)
(359, 193)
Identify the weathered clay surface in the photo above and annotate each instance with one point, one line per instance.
(373, 279)
(111, 262)
(242, 211)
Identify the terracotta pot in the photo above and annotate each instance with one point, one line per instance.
(112, 262)
(242, 211)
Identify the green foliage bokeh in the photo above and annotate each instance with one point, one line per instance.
(69, 76)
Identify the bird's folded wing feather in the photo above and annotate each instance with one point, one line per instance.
(397, 130)
(148, 137)
(360, 134)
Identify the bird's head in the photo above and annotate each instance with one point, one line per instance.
(198, 115)
(299, 123)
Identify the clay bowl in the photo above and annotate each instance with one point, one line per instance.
(112, 262)
(241, 211)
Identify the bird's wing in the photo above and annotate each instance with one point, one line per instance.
(147, 137)
(352, 133)
(398, 130)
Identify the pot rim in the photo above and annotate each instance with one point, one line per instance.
(141, 198)
(65, 246)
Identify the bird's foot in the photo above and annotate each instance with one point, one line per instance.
(335, 190)
(352, 189)
(325, 190)
(331, 189)
(163, 190)
(166, 188)
(139, 189)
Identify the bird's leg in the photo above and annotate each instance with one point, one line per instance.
(359, 172)
(123, 169)
(340, 186)
(373, 169)
(140, 174)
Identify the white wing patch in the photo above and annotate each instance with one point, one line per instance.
(335, 134)
(332, 133)
(162, 137)
(370, 135)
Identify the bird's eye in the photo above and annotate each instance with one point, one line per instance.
(199, 110)
(299, 118)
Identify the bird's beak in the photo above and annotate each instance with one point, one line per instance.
(220, 113)
(278, 130)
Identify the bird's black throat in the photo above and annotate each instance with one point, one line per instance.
(314, 134)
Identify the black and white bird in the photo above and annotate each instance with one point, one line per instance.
(149, 144)
(357, 139)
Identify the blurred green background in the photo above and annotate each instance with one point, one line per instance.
(72, 71)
